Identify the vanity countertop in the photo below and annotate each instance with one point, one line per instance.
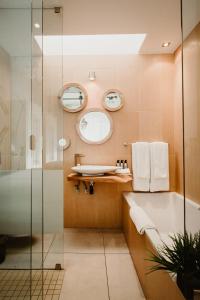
(107, 178)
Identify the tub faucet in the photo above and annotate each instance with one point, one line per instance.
(77, 159)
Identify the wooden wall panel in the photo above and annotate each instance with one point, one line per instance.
(191, 117)
(157, 285)
(146, 115)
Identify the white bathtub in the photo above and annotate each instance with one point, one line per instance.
(166, 210)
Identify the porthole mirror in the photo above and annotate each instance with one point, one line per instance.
(94, 126)
(73, 97)
(113, 100)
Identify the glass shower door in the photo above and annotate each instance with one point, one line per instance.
(18, 181)
(191, 124)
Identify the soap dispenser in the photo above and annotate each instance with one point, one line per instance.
(125, 164)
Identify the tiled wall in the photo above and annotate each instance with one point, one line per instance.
(147, 84)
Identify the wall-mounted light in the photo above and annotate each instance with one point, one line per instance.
(37, 25)
(92, 76)
(166, 44)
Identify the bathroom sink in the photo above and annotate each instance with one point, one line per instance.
(88, 170)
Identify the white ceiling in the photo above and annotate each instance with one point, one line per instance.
(191, 15)
(160, 20)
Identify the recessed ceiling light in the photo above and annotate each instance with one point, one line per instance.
(166, 44)
(37, 25)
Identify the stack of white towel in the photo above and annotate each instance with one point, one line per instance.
(150, 166)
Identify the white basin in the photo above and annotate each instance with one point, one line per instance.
(93, 170)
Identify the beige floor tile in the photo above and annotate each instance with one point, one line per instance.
(115, 242)
(122, 278)
(37, 242)
(58, 244)
(52, 259)
(85, 277)
(83, 241)
(22, 245)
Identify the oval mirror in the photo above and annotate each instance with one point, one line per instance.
(94, 126)
(113, 100)
(73, 97)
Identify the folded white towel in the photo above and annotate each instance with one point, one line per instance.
(140, 219)
(141, 159)
(140, 184)
(159, 167)
(141, 166)
(159, 160)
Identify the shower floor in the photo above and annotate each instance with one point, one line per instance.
(15, 284)
(50, 250)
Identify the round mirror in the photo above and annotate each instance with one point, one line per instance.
(73, 97)
(94, 126)
(64, 143)
(113, 100)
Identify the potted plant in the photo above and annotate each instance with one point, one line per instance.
(181, 258)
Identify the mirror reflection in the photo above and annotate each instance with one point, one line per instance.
(113, 100)
(73, 97)
(94, 127)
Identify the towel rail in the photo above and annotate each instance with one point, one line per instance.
(125, 144)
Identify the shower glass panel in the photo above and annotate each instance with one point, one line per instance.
(52, 133)
(31, 172)
(15, 132)
(191, 117)
(16, 154)
(191, 94)
(37, 238)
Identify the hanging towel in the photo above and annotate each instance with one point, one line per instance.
(140, 219)
(159, 167)
(141, 166)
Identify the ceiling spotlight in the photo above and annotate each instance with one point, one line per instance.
(92, 76)
(166, 44)
(37, 25)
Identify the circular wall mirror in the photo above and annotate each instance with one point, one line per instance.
(113, 100)
(73, 97)
(64, 143)
(94, 126)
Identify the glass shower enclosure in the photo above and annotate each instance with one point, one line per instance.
(191, 123)
(31, 171)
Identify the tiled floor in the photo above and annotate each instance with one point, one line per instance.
(98, 266)
(20, 284)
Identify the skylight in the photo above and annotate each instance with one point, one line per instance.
(114, 44)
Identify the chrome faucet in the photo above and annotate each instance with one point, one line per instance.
(77, 159)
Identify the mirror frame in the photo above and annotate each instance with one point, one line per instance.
(94, 110)
(113, 91)
(68, 85)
